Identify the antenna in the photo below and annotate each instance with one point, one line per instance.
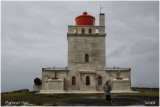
(100, 8)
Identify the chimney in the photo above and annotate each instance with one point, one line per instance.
(101, 19)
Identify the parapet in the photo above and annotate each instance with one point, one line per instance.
(90, 30)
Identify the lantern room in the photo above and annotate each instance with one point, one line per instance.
(85, 19)
(85, 25)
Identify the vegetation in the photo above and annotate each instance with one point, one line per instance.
(148, 92)
(58, 99)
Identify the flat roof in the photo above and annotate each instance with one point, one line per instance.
(117, 68)
(66, 68)
(55, 68)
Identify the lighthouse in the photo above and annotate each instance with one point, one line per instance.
(86, 70)
(86, 52)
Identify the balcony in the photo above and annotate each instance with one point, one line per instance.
(87, 30)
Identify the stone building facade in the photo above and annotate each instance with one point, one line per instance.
(86, 71)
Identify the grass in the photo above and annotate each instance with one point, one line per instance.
(148, 92)
(39, 99)
(55, 99)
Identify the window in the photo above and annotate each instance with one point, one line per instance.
(86, 58)
(90, 30)
(73, 80)
(87, 80)
(83, 30)
(75, 30)
(99, 80)
(97, 31)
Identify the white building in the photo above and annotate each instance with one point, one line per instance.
(86, 71)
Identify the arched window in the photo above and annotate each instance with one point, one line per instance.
(99, 80)
(90, 30)
(75, 30)
(97, 31)
(87, 80)
(83, 30)
(86, 58)
(73, 80)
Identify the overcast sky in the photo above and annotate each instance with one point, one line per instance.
(34, 35)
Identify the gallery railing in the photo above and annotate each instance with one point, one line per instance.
(56, 68)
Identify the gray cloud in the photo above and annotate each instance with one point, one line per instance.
(34, 36)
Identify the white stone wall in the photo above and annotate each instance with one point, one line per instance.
(118, 84)
(48, 83)
(54, 84)
(94, 46)
(112, 74)
(37, 87)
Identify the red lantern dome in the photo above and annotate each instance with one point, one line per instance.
(85, 19)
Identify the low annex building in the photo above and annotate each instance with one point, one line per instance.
(86, 71)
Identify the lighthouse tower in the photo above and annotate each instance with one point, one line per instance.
(86, 53)
(86, 71)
